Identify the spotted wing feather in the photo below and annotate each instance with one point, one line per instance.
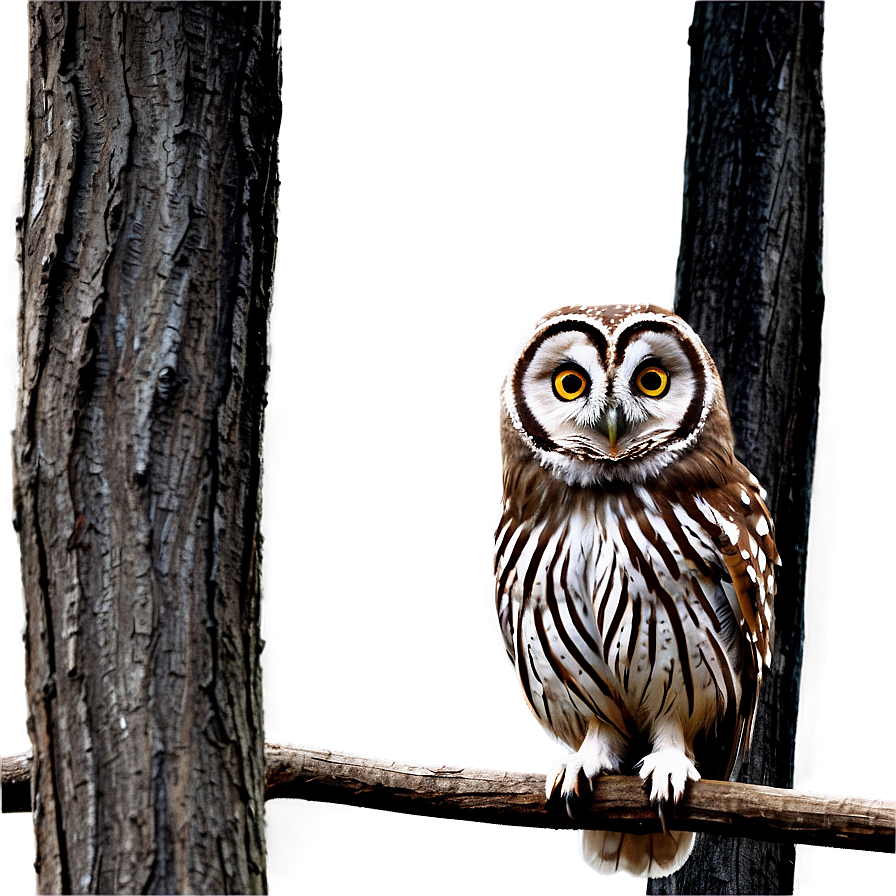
(740, 525)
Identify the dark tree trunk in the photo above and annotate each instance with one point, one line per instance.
(749, 281)
(147, 250)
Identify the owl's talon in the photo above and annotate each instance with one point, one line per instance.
(579, 796)
(574, 809)
(554, 790)
(574, 805)
(572, 785)
(666, 773)
(665, 804)
(582, 788)
(557, 778)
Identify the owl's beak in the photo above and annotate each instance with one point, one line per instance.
(608, 425)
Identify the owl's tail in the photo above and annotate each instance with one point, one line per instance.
(642, 855)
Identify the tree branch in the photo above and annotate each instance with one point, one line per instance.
(512, 798)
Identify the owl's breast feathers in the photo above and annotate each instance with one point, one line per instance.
(631, 603)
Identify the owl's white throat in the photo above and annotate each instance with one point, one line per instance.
(590, 471)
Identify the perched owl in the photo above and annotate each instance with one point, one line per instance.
(635, 563)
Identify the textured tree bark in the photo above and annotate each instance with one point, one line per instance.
(147, 251)
(749, 281)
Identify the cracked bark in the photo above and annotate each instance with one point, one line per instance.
(749, 281)
(147, 250)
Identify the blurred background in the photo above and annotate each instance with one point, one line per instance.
(451, 171)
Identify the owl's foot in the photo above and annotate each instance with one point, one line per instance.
(572, 782)
(666, 773)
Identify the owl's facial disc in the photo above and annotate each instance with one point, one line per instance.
(597, 402)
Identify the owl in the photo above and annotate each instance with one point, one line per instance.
(634, 564)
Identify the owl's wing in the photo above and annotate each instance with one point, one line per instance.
(741, 528)
(746, 540)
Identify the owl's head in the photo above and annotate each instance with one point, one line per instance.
(616, 392)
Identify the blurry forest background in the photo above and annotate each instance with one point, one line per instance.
(451, 171)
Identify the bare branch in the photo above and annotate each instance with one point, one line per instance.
(15, 782)
(513, 798)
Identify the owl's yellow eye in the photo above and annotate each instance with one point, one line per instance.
(569, 383)
(652, 381)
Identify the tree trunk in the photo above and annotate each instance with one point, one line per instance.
(147, 250)
(749, 281)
